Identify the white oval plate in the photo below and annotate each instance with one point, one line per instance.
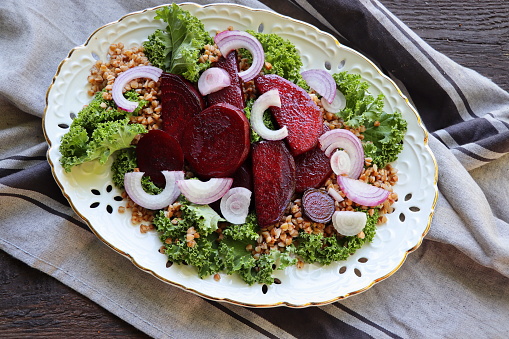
(90, 191)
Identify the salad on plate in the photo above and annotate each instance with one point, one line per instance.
(242, 162)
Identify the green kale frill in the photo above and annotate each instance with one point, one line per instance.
(99, 130)
(383, 138)
(177, 48)
(217, 251)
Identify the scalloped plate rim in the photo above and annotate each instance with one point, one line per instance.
(233, 301)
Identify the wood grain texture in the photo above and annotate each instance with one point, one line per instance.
(33, 304)
(474, 33)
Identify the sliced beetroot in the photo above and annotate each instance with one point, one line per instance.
(318, 205)
(158, 151)
(232, 94)
(216, 141)
(273, 179)
(312, 168)
(243, 176)
(180, 102)
(298, 112)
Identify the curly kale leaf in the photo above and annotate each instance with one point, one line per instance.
(78, 146)
(102, 110)
(212, 255)
(125, 161)
(251, 270)
(245, 231)
(99, 130)
(383, 138)
(177, 48)
(325, 250)
(282, 55)
(204, 218)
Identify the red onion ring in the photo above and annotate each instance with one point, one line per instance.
(212, 80)
(362, 193)
(264, 101)
(204, 192)
(133, 188)
(322, 82)
(334, 139)
(336, 105)
(349, 223)
(340, 163)
(228, 41)
(126, 77)
(235, 205)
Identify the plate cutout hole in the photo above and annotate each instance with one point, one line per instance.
(169, 264)
(265, 288)
(72, 115)
(414, 209)
(408, 196)
(261, 28)
(277, 281)
(327, 65)
(109, 188)
(357, 272)
(95, 56)
(342, 270)
(109, 209)
(341, 64)
(94, 205)
(118, 198)
(63, 126)
(402, 217)
(363, 260)
(95, 192)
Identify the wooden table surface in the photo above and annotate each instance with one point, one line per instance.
(474, 33)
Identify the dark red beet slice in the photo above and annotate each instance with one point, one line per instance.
(216, 141)
(298, 112)
(318, 205)
(180, 101)
(273, 179)
(158, 151)
(232, 94)
(243, 176)
(312, 168)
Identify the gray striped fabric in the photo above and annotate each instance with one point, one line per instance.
(455, 285)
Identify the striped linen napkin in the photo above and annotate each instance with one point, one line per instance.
(456, 284)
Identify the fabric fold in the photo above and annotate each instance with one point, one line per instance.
(460, 273)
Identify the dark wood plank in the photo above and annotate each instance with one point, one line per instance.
(474, 33)
(33, 304)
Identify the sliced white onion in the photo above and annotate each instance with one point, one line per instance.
(340, 163)
(335, 194)
(126, 77)
(349, 223)
(322, 82)
(212, 80)
(264, 101)
(204, 192)
(133, 187)
(335, 139)
(235, 205)
(362, 193)
(336, 105)
(228, 41)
